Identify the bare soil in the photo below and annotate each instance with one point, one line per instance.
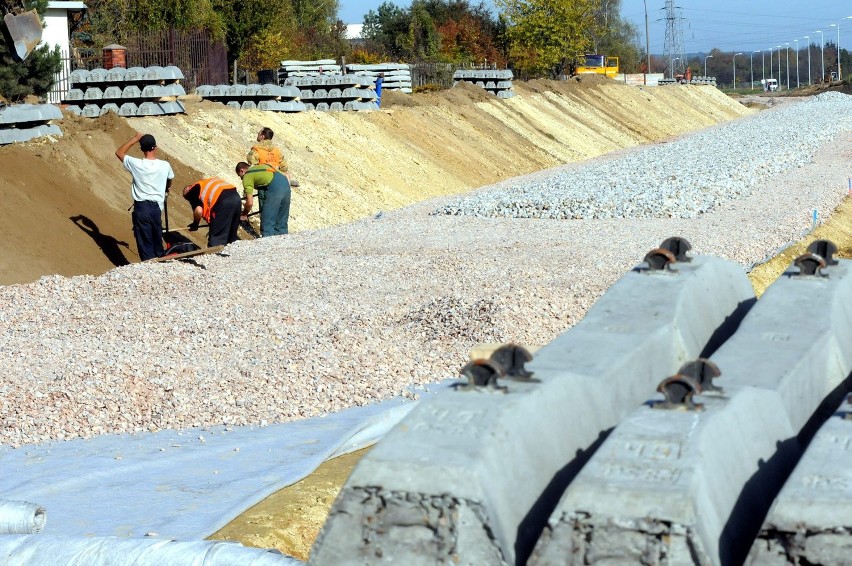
(67, 199)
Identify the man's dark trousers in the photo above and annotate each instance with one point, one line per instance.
(148, 229)
(225, 219)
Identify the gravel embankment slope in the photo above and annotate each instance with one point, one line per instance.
(296, 326)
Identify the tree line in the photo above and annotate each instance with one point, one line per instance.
(536, 38)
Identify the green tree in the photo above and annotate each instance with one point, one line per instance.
(109, 20)
(422, 40)
(616, 37)
(383, 27)
(545, 35)
(34, 75)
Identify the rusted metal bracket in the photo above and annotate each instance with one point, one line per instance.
(671, 251)
(704, 372)
(512, 358)
(824, 249)
(678, 391)
(810, 264)
(678, 246)
(482, 375)
(659, 259)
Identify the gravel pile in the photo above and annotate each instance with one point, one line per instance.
(300, 325)
(681, 179)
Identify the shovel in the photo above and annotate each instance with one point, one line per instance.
(25, 31)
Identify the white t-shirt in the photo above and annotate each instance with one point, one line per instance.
(149, 178)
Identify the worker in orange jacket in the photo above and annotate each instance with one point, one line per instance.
(219, 204)
(264, 152)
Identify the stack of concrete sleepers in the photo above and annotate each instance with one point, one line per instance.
(308, 69)
(335, 92)
(135, 91)
(254, 97)
(397, 76)
(467, 476)
(24, 122)
(498, 82)
(687, 479)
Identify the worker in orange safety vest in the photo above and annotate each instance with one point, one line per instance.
(264, 152)
(219, 204)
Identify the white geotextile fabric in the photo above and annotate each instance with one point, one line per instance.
(181, 485)
(30, 550)
(20, 517)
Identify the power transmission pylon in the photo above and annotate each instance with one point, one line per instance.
(673, 50)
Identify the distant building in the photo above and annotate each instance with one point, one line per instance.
(353, 34)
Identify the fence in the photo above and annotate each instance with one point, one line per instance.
(201, 60)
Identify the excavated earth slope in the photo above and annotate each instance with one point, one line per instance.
(66, 201)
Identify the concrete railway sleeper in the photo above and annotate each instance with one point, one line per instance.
(689, 479)
(471, 476)
(810, 521)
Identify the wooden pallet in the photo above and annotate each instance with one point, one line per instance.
(201, 251)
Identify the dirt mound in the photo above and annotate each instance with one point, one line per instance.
(67, 199)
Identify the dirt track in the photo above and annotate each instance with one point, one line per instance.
(66, 202)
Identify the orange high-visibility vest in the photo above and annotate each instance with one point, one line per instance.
(268, 156)
(210, 190)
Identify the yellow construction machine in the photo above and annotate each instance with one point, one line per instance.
(596, 64)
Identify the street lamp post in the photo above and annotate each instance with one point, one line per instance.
(705, 64)
(751, 66)
(779, 66)
(821, 54)
(734, 65)
(647, 45)
(771, 75)
(673, 60)
(787, 58)
(763, 67)
(797, 62)
(809, 58)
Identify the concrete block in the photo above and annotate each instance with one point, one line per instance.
(93, 93)
(48, 130)
(97, 75)
(131, 92)
(249, 105)
(116, 75)
(492, 464)
(173, 89)
(252, 89)
(154, 73)
(810, 521)
(135, 74)
(219, 91)
(75, 94)
(505, 94)
(309, 106)
(320, 93)
(172, 73)
(79, 76)
(234, 104)
(237, 90)
(336, 107)
(321, 107)
(173, 107)
(127, 109)
(29, 113)
(112, 92)
(149, 109)
(306, 94)
(94, 111)
(335, 93)
(109, 107)
(696, 483)
(73, 109)
(203, 90)
(152, 91)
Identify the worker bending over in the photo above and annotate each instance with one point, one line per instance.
(273, 190)
(218, 203)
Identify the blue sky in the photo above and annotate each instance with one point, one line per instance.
(742, 25)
